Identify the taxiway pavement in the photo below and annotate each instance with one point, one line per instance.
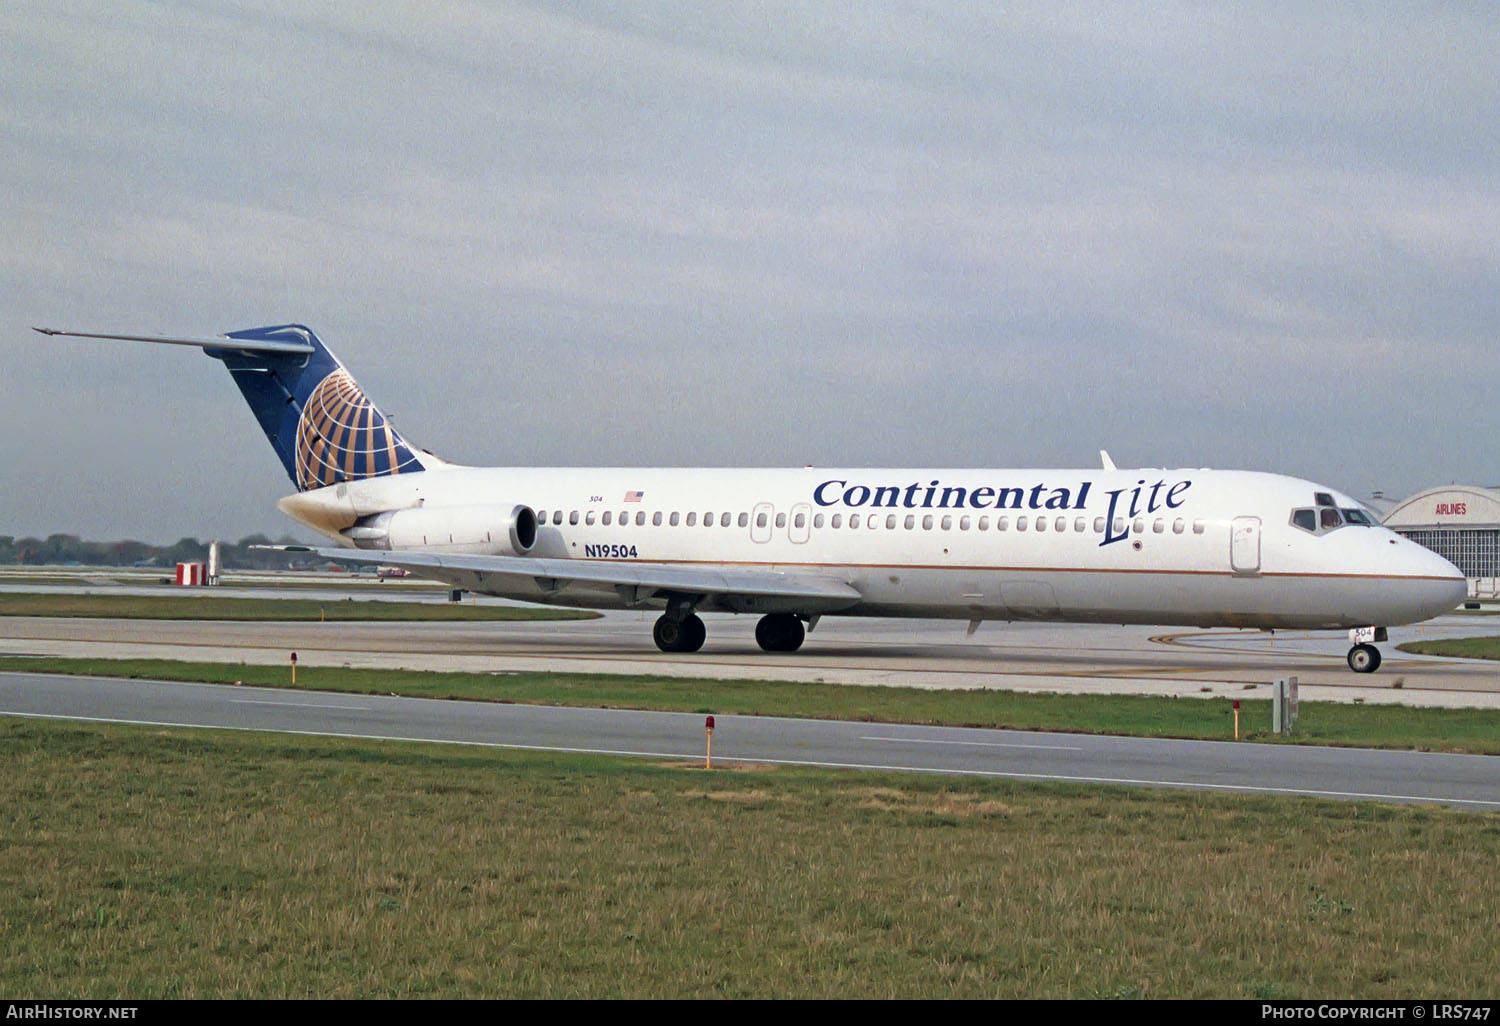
(916, 653)
(1461, 780)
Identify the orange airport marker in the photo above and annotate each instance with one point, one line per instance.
(294, 669)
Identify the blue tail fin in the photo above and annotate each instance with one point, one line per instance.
(317, 418)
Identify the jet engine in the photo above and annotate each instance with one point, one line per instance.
(500, 530)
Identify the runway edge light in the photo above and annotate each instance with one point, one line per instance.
(708, 759)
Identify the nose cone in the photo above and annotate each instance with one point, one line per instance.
(1429, 584)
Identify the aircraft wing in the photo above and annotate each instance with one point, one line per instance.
(755, 589)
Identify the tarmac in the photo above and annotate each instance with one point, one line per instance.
(1062, 658)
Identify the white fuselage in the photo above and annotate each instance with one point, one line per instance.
(1191, 547)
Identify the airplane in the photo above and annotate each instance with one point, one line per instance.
(1188, 547)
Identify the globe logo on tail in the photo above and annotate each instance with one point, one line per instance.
(341, 436)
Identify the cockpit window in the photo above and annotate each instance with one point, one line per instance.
(1322, 499)
(1329, 518)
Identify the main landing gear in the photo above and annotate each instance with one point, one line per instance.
(685, 634)
(777, 632)
(1364, 657)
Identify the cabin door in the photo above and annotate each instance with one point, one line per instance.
(800, 527)
(760, 522)
(1244, 546)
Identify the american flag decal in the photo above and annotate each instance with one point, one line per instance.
(634, 496)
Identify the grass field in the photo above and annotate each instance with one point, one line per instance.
(1371, 726)
(141, 863)
(1464, 648)
(203, 607)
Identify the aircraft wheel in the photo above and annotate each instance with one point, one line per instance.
(693, 633)
(667, 634)
(779, 632)
(1364, 659)
(685, 635)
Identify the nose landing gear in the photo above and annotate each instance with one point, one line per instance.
(1364, 657)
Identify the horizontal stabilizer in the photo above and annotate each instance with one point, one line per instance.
(242, 345)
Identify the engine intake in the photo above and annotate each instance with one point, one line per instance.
(481, 530)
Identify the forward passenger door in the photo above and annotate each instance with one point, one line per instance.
(1244, 546)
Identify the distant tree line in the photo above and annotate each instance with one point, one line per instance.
(69, 549)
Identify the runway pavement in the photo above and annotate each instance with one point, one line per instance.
(1460, 780)
(918, 653)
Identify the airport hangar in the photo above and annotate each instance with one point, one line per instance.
(1461, 523)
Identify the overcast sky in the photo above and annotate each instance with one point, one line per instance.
(952, 234)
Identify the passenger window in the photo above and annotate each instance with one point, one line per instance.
(800, 521)
(984, 523)
(724, 519)
(1139, 525)
(911, 522)
(640, 519)
(1080, 525)
(1197, 527)
(588, 518)
(817, 520)
(890, 522)
(837, 521)
(1041, 523)
(947, 523)
(781, 520)
(607, 517)
(541, 517)
(573, 517)
(708, 520)
(1158, 526)
(1001, 523)
(656, 519)
(744, 519)
(927, 522)
(963, 523)
(674, 520)
(1020, 523)
(1060, 524)
(853, 519)
(692, 520)
(1178, 525)
(556, 516)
